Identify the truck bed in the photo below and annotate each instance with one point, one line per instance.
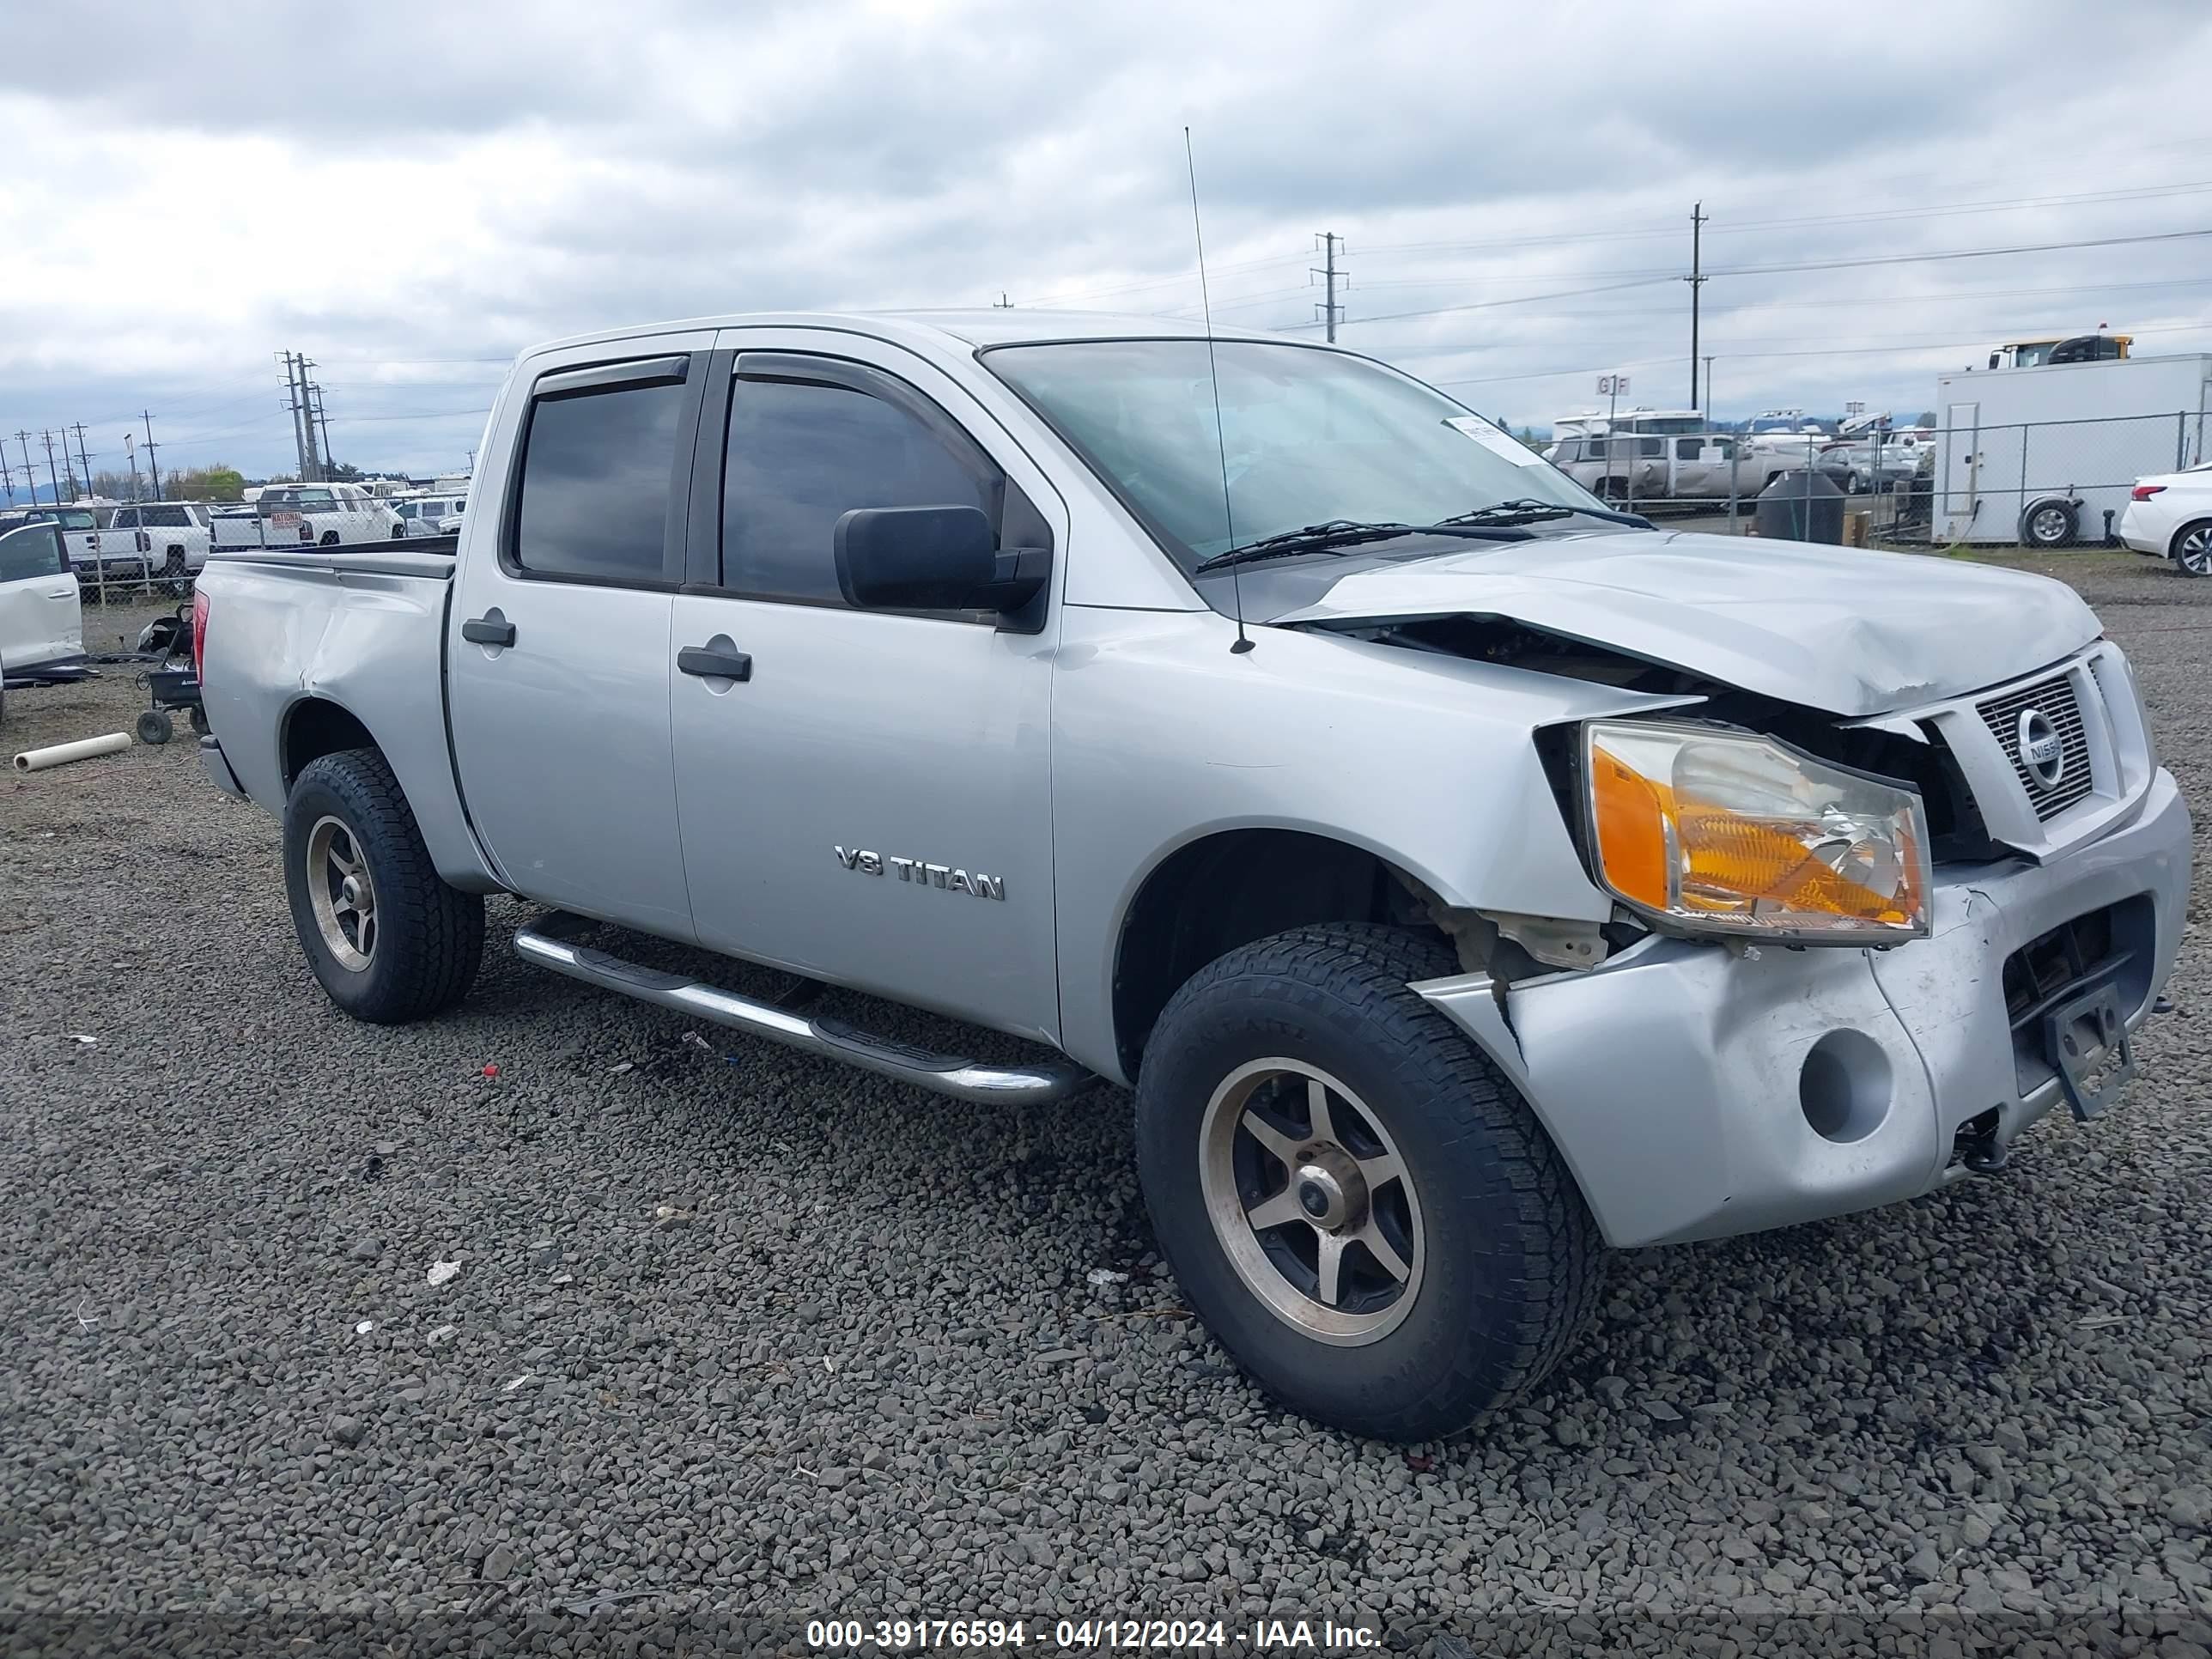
(295, 636)
(405, 555)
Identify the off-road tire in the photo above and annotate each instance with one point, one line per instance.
(429, 940)
(1512, 1258)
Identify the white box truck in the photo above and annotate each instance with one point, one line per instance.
(2045, 455)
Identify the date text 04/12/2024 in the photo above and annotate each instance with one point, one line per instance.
(906, 1635)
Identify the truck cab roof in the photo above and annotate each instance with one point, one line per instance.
(974, 328)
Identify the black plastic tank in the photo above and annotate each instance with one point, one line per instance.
(1801, 506)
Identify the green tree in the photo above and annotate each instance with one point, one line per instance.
(203, 484)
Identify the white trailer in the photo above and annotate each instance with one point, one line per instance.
(2045, 455)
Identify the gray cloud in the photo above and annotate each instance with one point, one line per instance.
(385, 187)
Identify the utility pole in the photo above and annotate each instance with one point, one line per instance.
(1696, 279)
(130, 449)
(322, 418)
(152, 466)
(1002, 303)
(8, 476)
(1708, 405)
(294, 404)
(307, 408)
(1330, 310)
(81, 456)
(30, 478)
(47, 438)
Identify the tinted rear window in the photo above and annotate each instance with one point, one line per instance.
(598, 469)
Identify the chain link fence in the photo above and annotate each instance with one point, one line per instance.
(2048, 483)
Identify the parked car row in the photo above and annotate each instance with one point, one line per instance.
(306, 515)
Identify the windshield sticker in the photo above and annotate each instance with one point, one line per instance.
(1497, 442)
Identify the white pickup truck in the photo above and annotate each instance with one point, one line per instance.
(1463, 876)
(306, 515)
(171, 537)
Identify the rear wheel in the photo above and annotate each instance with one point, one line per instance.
(389, 939)
(176, 579)
(2192, 549)
(1363, 1211)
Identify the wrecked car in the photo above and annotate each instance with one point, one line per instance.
(1464, 877)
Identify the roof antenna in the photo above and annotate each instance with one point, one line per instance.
(1220, 438)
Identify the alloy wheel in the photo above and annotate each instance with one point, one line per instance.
(1311, 1200)
(342, 894)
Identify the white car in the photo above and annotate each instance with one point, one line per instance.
(41, 617)
(2169, 516)
(307, 515)
(171, 536)
(431, 515)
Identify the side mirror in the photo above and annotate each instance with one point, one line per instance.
(933, 558)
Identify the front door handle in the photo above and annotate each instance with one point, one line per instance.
(489, 629)
(708, 663)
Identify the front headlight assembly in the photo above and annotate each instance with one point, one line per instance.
(1712, 831)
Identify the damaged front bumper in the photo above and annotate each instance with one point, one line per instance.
(1697, 1092)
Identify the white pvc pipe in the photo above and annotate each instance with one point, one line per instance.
(61, 754)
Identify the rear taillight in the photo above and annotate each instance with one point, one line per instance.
(2144, 492)
(199, 630)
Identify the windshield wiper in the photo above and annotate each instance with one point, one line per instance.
(1339, 534)
(1529, 510)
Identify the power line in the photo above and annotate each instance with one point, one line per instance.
(1646, 279)
(1930, 345)
(2124, 193)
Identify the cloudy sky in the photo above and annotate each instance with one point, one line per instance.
(408, 193)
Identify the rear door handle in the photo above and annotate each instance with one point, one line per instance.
(490, 630)
(709, 664)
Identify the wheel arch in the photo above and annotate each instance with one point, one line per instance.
(1229, 887)
(314, 727)
(2181, 529)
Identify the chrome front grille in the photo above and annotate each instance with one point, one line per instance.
(2049, 791)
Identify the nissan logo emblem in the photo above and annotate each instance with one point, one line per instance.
(2042, 750)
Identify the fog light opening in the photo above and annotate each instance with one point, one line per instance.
(1844, 1088)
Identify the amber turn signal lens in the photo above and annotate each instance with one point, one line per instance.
(1728, 832)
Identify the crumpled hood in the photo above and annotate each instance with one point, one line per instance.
(1843, 629)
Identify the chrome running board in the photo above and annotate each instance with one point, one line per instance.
(832, 1039)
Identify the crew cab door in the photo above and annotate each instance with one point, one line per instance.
(40, 617)
(557, 649)
(865, 796)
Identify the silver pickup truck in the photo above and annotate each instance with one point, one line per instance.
(1463, 876)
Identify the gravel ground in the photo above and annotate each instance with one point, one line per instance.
(738, 1342)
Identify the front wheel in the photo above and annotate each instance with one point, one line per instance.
(390, 941)
(1361, 1210)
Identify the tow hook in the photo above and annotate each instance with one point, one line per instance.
(1978, 1148)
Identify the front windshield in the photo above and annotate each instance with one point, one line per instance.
(1310, 435)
